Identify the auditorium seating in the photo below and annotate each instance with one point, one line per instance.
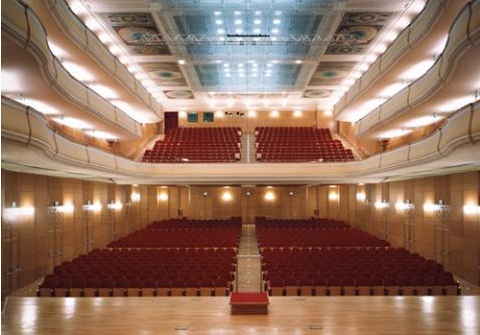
(196, 145)
(316, 237)
(180, 238)
(327, 257)
(234, 222)
(299, 144)
(353, 271)
(170, 258)
(263, 222)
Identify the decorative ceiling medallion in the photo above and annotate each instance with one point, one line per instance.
(164, 74)
(179, 94)
(317, 94)
(131, 28)
(331, 73)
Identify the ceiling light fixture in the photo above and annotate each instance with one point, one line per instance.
(181, 61)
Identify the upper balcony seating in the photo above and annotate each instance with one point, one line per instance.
(196, 145)
(299, 144)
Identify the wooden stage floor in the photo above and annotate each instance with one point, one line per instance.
(205, 315)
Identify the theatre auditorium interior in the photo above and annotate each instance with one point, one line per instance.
(240, 166)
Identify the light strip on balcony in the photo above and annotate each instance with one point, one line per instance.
(417, 70)
(78, 72)
(100, 134)
(72, 122)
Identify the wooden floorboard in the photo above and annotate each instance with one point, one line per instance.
(287, 315)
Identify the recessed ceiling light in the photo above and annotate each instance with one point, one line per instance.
(258, 12)
(257, 21)
(298, 61)
(257, 30)
(238, 21)
(227, 69)
(269, 65)
(273, 38)
(218, 61)
(217, 13)
(241, 74)
(239, 31)
(218, 21)
(237, 12)
(276, 21)
(181, 61)
(268, 75)
(275, 31)
(228, 75)
(220, 31)
(254, 75)
(240, 65)
(278, 12)
(226, 65)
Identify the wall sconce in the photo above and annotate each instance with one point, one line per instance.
(291, 193)
(248, 193)
(382, 204)
(14, 213)
(205, 193)
(333, 195)
(57, 207)
(135, 197)
(269, 196)
(404, 206)
(114, 205)
(227, 196)
(471, 209)
(361, 196)
(162, 197)
(92, 207)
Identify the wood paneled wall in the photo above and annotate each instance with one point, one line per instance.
(32, 245)
(451, 237)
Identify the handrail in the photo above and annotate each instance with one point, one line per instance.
(31, 34)
(460, 132)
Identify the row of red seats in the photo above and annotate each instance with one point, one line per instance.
(160, 271)
(348, 269)
(336, 237)
(262, 222)
(196, 145)
(134, 287)
(159, 238)
(234, 222)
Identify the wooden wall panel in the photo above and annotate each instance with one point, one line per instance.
(31, 247)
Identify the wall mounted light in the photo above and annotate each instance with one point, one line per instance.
(269, 196)
(227, 196)
(14, 213)
(114, 205)
(404, 206)
(135, 197)
(58, 207)
(96, 207)
(471, 209)
(162, 197)
(382, 204)
(205, 193)
(361, 196)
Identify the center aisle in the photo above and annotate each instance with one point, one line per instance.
(248, 266)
